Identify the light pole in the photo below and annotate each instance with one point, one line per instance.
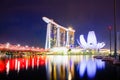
(110, 28)
(115, 32)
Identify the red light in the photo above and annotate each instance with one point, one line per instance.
(22, 63)
(2, 66)
(12, 64)
(42, 60)
(109, 27)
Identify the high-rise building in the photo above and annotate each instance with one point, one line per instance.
(57, 35)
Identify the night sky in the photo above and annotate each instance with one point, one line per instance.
(21, 20)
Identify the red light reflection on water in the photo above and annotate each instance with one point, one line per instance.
(2, 66)
(21, 63)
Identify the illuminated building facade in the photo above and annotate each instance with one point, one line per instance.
(57, 35)
(91, 42)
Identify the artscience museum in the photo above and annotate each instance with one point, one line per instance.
(91, 42)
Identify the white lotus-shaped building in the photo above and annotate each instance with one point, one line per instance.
(91, 42)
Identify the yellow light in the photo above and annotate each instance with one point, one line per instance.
(70, 28)
(18, 45)
(32, 47)
(7, 45)
(26, 46)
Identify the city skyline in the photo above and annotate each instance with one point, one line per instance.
(21, 21)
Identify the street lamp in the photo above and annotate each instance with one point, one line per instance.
(115, 32)
(110, 29)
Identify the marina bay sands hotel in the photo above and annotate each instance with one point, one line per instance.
(57, 35)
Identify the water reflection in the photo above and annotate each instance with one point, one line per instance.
(21, 63)
(100, 64)
(90, 66)
(63, 67)
(82, 68)
(56, 67)
(60, 67)
(91, 69)
(2, 66)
